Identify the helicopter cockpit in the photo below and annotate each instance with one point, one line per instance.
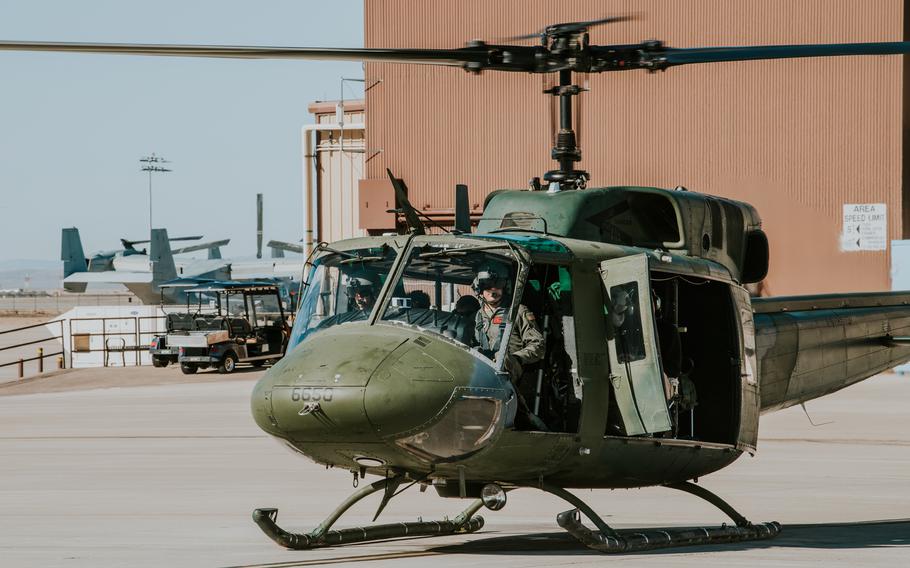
(343, 287)
(437, 291)
(433, 292)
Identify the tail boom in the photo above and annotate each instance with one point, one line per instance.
(810, 346)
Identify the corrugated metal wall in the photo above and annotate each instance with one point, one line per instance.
(339, 168)
(797, 139)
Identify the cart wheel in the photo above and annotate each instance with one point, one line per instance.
(157, 362)
(228, 363)
(188, 369)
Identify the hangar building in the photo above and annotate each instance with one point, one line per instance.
(799, 139)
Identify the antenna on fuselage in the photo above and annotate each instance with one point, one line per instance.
(410, 214)
(462, 209)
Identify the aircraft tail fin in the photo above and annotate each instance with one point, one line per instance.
(71, 252)
(161, 257)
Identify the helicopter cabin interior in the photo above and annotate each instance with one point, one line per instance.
(675, 344)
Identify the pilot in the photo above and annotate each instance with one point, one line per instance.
(363, 293)
(526, 344)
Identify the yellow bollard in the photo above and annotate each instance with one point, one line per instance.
(41, 359)
(60, 363)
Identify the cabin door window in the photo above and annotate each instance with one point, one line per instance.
(635, 373)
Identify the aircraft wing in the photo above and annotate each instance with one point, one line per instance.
(810, 346)
(281, 245)
(200, 246)
(109, 276)
(193, 268)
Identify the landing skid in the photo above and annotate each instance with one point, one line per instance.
(603, 539)
(466, 522)
(606, 539)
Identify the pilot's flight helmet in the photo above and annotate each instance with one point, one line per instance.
(490, 276)
(360, 283)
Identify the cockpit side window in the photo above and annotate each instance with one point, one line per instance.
(626, 320)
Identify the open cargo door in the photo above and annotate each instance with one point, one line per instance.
(635, 371)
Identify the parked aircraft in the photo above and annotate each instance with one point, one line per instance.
(143, 273)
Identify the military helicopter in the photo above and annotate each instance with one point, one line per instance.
(657, 364)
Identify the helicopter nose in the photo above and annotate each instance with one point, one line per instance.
(371, 385)
(315, 393)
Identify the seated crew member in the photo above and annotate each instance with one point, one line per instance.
(362, 292)
(526, 344)
(467, 306)
(419, 300)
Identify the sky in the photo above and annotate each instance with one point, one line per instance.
(74, 126)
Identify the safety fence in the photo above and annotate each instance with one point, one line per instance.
(115, 341)
(12, 340)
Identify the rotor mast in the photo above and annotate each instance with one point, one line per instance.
(565, 149)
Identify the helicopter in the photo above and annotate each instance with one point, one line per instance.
(657, 363)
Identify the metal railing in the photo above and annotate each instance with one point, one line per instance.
(114, 341)
(21, 361)
(131, 334)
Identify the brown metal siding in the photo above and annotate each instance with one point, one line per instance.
(795, 138)
(339, 169)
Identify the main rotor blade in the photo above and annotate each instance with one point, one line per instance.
(453, 57)
(479, 56)
(667, 57)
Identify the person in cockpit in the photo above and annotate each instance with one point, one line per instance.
(526, 345)
(362, 292)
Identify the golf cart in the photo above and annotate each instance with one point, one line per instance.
(224, 323)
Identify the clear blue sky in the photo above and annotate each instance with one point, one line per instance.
(73, 127)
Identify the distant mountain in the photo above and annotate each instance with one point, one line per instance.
(30, 264)
(41, 274)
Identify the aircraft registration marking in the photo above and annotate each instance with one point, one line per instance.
(312, 394)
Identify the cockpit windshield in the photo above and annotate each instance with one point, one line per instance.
(437, 291)
(343, 287)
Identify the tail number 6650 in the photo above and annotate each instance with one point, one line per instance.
(308, 394)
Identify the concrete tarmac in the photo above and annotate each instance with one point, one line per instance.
(166, 473)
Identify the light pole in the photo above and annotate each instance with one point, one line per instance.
(152, 165)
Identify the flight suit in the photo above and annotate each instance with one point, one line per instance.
(526, 345)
